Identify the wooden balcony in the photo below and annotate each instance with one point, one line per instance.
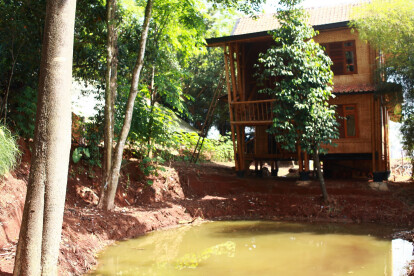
(252, 112)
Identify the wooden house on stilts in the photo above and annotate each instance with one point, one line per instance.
(363, 146)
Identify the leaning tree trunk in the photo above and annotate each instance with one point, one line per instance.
(110, 93)
(109, 197)
(320, 175)
(39, 239)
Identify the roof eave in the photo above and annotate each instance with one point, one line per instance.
(338, 93)
(220, 41)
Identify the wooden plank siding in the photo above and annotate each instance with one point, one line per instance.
(361, 143)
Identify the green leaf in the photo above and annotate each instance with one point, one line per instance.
(86, 152)
(77, 155)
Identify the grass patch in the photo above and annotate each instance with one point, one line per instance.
(9, 151)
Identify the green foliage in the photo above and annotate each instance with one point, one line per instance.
(93, 137)
(301, 83)
(9, 151)
(151, 122)
(24, 115)
(206, 71)
(151, 167)
(80, 152)
(89, 50)
(388, 25)
(21, 32)
(220, 149)
(90, 135)
(247, 6)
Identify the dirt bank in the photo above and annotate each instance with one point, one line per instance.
(183, 193)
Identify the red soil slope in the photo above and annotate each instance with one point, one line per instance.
(185, 193)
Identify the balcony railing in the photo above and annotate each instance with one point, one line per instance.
(252, 112)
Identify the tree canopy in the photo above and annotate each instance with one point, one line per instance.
(388, 25)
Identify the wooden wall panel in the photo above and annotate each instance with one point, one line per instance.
(361, 144)
(365, 59)
(261, 140)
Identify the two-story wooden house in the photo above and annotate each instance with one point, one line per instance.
(363, 144)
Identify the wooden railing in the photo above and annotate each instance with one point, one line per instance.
(252, 112)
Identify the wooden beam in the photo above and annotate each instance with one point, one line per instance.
(255, 140)
(385, 127)
(251, 123)
(243, 69)
(300, 160)
(237, 88)
(239, 73)
(251, 102)
(373, 146)
(306, 161)
(240, 148)
(226, 66)
(377, 135)
(380, 135)
(387, 141)
(233, 74)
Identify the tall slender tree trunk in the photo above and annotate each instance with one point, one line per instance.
(110, 93)
(151, 121)
(317, 162)
(6, 97)
(39, 239)
(109, 197)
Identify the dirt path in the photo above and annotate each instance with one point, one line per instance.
(184, 193)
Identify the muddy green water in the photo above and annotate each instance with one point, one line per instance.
(254, 248)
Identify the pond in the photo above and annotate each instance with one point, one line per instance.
(259, 248)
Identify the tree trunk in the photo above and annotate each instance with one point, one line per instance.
(39, 239)
(110, 93)
(109, 197)
(320, 175)
(151, 121)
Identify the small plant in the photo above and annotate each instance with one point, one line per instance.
(9, 151)
(91, 173)
(220, 149)
(128, 183)
(89, 135)
(79, 152)
(151, 166)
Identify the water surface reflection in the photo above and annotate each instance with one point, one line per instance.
(258, 248)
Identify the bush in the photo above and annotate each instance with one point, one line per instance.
(220, 149)
(9, 151)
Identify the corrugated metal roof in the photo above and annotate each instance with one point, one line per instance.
(317, 16)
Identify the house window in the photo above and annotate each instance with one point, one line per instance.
(343, 56)
(347, 117)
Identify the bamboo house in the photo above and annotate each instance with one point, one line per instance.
(363, 146)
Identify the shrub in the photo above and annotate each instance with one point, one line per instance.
(220, 149)
(9, 151)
